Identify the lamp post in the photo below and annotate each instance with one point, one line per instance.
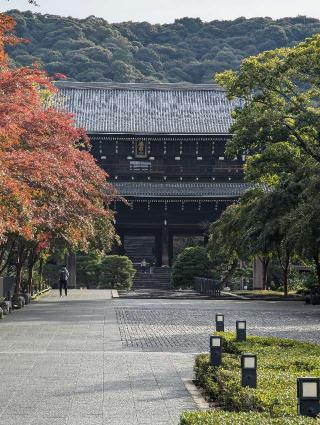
(215, 350)
(249, 370)
(241, 327)
(308, 393)
(219, 322)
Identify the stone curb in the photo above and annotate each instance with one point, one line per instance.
(40, 294)
(231, 294)
(197, 397)
(271, 298)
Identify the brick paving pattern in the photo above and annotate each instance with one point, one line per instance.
(181, 329)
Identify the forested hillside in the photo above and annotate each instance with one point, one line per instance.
(189, 50)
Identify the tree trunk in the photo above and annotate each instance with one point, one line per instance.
(230, 272)
(285, 265)
(265, 277)
(285, 283)
(32, 259)
(20, 261)
(286, 275)
(265, 264)
(41, 270)
(7, 253)
(19, 266)
(30, 278)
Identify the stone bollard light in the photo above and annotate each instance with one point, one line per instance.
(249, 370)
(241, 328)
(215, 350)
(308, 392)
(219, 322)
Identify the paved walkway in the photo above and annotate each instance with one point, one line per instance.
(62, 362)
(91, 360)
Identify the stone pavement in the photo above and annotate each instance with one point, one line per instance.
(91, 360)
(62, 363)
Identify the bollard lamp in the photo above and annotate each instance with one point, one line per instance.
(241, 330)
(219, 322)
(249, 370)
(308, 393)
(215, 350)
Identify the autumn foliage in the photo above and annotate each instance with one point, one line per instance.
(51, 188)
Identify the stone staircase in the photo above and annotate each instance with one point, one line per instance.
(157, 285)
(158, 280)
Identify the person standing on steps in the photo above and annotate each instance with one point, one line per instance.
(63, 280)
(143, 265)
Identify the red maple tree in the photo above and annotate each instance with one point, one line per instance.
(50, 185)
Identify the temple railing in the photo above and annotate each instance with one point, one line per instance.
(207, 286)
(174, 170)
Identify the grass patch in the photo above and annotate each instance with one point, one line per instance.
(280, 363)
(219, 417)
(264, 293)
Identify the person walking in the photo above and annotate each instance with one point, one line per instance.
(63, 280)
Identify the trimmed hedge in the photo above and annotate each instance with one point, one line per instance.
(219, 417)
(117, 272)
(280, 362)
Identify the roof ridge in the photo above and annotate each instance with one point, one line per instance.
(137, 86)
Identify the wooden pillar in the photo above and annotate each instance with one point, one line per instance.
(158, 249)
(170, 248)
(165, 246)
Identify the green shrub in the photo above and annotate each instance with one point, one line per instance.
(88, 268)
(280, 362)
(192, 262)
(219, 417)
(117, 272)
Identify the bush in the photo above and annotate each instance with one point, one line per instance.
(192, 262)
(219, 417)
(88, 268)
(117, 272)
(280, 362)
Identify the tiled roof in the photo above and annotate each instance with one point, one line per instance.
(181, 189)
(146, 108)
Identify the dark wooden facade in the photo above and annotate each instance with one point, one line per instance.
(164, 149)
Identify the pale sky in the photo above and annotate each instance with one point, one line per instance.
(165, 11)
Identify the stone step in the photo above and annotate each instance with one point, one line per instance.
(153, 281)
(147, 293)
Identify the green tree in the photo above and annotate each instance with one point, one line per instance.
(191, 262)
(279, 91)
(305, 220)
(117, 272)
(278, 127)
(225, 247)
(209, 46)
